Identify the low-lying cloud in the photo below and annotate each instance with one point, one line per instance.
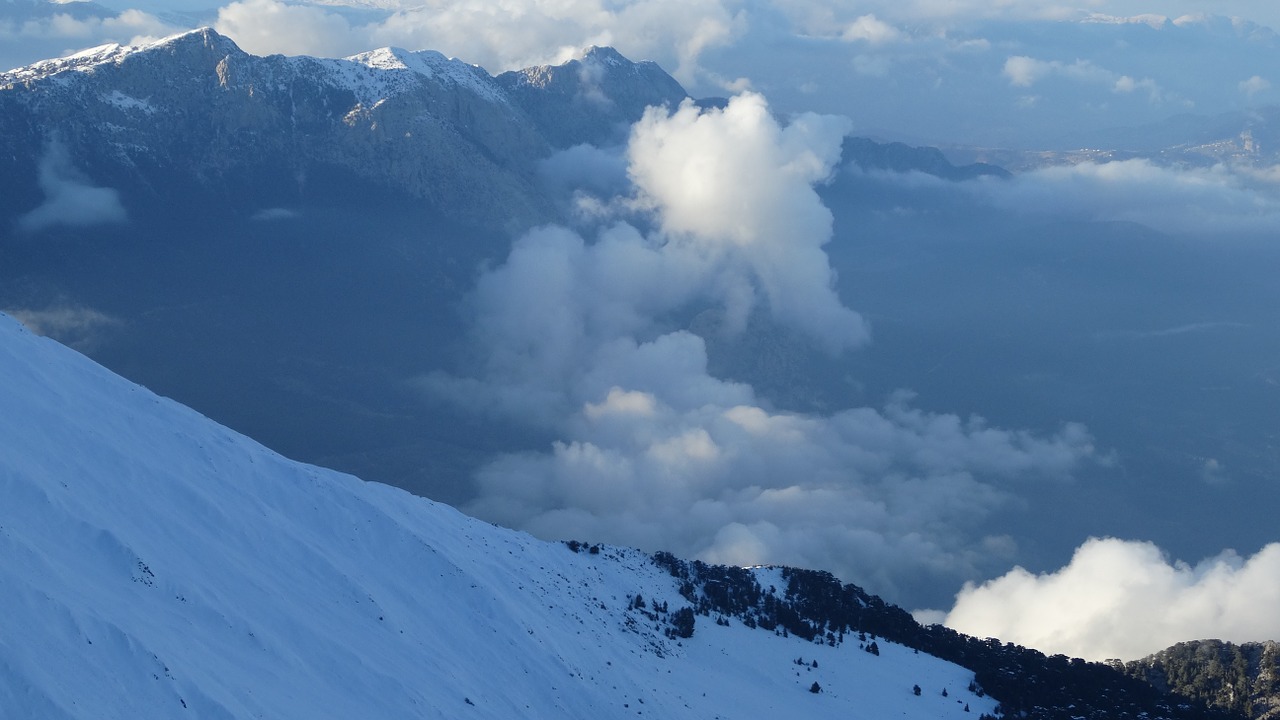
(1126, 599)
(1216, 199)
(71, 324)
(588, 339)
(1025, 72)
(71, 199)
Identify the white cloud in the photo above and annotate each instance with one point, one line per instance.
(735, 179)
(872, 30)
(1125, 599)
(24, 40)
(1125, 84)
(70, 198)
(1254, 85)
(1214, 199)
(264, 27)
(66, 27)
(584, 337)
(1023, 71)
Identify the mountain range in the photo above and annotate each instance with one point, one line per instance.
(283, 243)
(280, 233)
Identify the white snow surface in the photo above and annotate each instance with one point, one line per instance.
(89, 59)
(158, 565)
(386, 72)
(83, 61)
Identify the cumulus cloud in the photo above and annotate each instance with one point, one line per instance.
(67, 27)
(1254, 85)
(71, 199)
(1024, 71)
(587, 338)
(25, 39)
(734, 179)
(1125, 599)
(870, 29)
(1173, 199)
(264, 27)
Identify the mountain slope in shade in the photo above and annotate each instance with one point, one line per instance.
(155, 561)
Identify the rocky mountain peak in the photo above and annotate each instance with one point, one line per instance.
(605, 55)
(602, 92)
(204, 45)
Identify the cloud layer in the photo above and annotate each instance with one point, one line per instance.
(1220, 198)
(1125, 599)
(587, 338)
(77, 326)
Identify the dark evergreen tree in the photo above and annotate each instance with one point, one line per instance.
(682, 622)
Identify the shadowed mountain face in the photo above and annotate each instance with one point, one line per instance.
(285, 243)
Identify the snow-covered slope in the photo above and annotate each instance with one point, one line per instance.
(157, 564)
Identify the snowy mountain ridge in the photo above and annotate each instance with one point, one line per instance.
(194, 111)
(157, 562)
(427, 63)
(374, 75)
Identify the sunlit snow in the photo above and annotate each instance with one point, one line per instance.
(155, 561)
